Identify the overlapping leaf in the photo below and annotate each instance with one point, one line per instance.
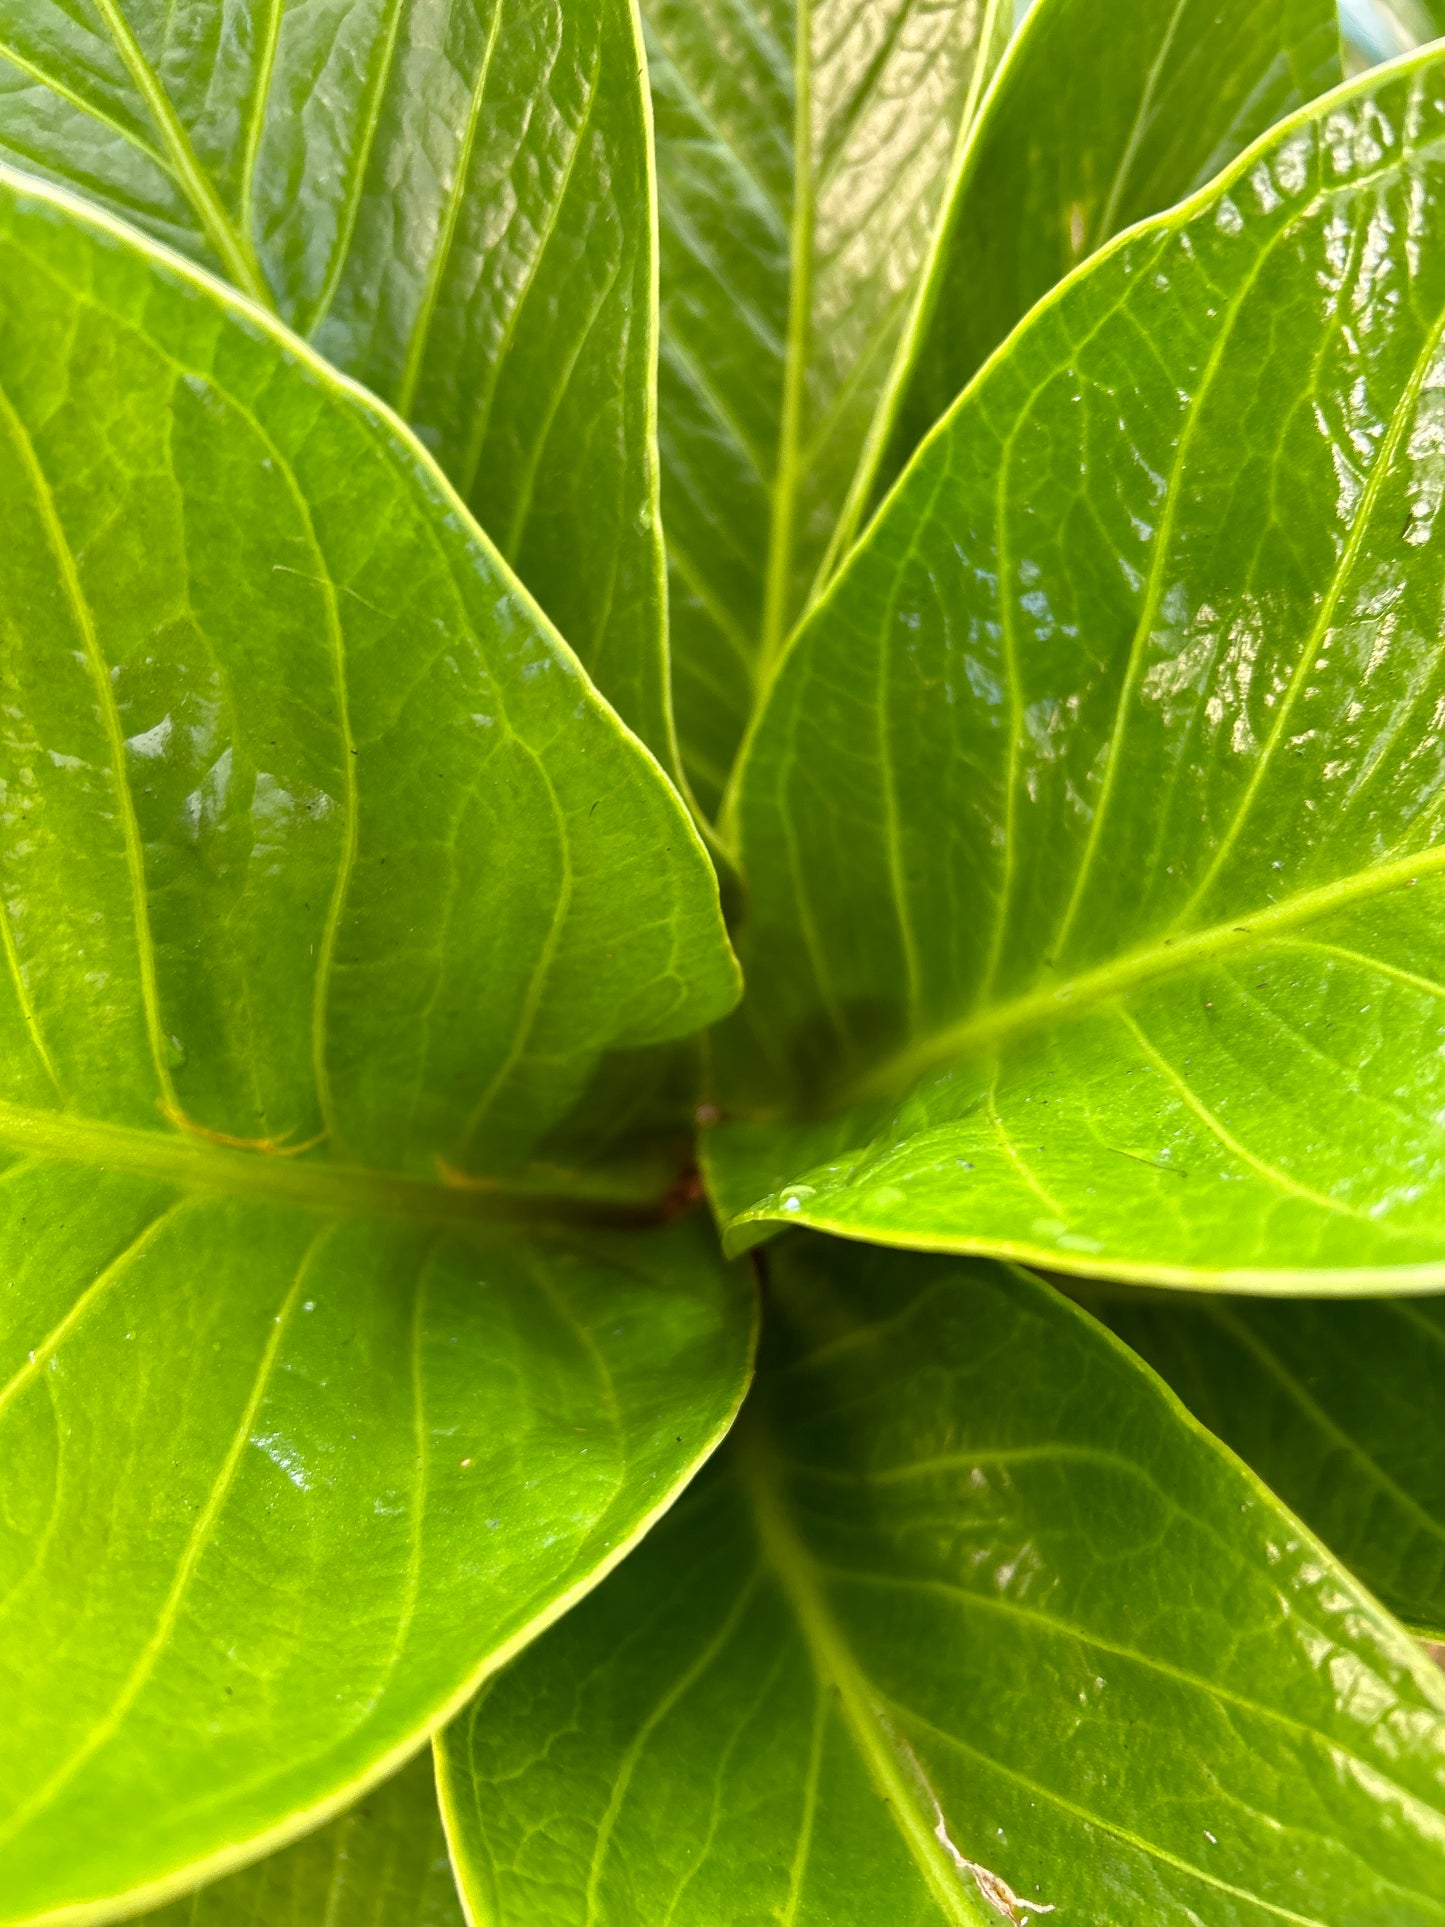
(1096, 120)
(382, 1864)
(315, 827)
(972, 1623)
(452, 199)
(326, 879)
(807, 158)
(1092, 831)
(803, 154)
(1337, 1407)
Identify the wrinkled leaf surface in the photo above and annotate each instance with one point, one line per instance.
(382, 1864)
(326, 878)
(452, 199)
(1337, 1407)
(803, 154)
(1092, 831)
(1097, 119)
(972, 1622)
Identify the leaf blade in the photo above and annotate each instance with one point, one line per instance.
(1168, 651)
(357, 591)
(233, 1695)
(1330, 1405)
(521, 348)
(917, 1502)
(318, 832)
(799, 180)
(1118, 145)
(383, 1862)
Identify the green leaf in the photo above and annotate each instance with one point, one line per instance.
(1092, 828)
(803, 154)
(284, 1488)
(1090, 126)
(324, 832)
(453, 202)
(973, 1622)
(383, 1864)
(326, 880)
(1337, 1407)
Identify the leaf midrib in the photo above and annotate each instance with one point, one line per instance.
(1165, 957)
(837, 1668)
(781, 530)
(196, 1163)
(232, 247)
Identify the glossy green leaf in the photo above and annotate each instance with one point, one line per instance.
(382, 1864)
(803, 153)
(282, 1488)
(316, 830)
(1337, 1407)
(973, 1622)
(1092, 829)
(1095, 121)
(452, 199)
(285, 1486)
(325, 881)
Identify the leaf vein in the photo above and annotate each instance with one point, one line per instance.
(1269, 1172)
(99, 672)
(200, 1537)
(233, 249)
(42, 1353)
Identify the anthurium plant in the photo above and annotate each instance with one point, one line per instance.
(722, 890)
